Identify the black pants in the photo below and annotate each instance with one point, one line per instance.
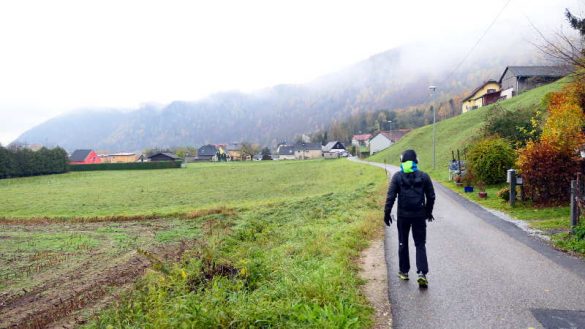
(419, 233)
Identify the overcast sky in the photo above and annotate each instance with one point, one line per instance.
(58, 56)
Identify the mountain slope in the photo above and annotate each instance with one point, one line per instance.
(391, 80)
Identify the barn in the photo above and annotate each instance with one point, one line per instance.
(84, 157)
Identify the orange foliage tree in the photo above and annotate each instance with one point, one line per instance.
(548, 165)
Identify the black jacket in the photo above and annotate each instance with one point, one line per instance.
(394, 189)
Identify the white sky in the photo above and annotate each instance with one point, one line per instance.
(57, 56)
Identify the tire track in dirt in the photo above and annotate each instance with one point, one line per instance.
(60, 298)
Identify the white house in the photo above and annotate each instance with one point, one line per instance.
(286, 152)
(380, 142)
(361, 140)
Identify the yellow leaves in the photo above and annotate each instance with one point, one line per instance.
(183, 274)
(564, 126)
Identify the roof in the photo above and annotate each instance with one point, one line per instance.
(394, 135)
(331, 145)
(79, 155)
(169, 155)
(538, 71)
(286, 150)
(234, 147)
(308, 146)
(120, 154)
(207, 150)
(478, 89)
(362, 137)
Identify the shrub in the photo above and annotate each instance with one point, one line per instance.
(489, 158)
(547, 172)
(504, 194)
(518, 127)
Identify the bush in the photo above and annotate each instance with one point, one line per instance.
(547, 172)
(126, 166)
(504, 194)
(517, 126)
(489, 158)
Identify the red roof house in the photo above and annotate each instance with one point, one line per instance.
(84, 157)
(361, 140)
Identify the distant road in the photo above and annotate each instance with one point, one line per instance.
(484, 273)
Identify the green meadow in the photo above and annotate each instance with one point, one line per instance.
(173, 191)
(263, 244)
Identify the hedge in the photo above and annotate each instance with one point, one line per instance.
(126, 166)
(24, 162)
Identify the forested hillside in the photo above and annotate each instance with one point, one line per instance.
(393, 80)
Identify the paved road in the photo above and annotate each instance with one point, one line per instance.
(485, 273)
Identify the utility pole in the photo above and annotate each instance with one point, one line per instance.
(432, 89)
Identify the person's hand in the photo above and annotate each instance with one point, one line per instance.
(387, 219)
(430, 217)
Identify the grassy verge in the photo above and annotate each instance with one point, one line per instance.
(286, 265)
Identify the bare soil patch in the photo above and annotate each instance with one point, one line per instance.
(67, 292)
(373, 270)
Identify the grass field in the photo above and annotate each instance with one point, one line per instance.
(269, 244)
(455, 133)
(170, 191)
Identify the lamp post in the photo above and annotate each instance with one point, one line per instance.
(389, 125)
(432, 89)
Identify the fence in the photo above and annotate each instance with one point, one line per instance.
(577, 199)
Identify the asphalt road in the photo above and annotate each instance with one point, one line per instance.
(484, 273)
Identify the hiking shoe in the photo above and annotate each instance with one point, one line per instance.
(422, 281)
(403, 276)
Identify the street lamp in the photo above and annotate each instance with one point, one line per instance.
(432, 89)
(389, 124)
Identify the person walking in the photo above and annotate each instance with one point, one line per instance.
(416, 198)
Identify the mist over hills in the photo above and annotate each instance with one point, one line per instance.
(394, 79)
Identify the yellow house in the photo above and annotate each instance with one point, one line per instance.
(487, 93)
(119, 158)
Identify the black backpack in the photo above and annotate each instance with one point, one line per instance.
(411, 196)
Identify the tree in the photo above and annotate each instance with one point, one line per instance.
(249, 149)
(266, 154)
(576, 22)
(562, 47)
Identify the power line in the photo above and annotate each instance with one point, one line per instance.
(477, 43)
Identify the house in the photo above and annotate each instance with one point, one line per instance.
(334, 146)
(84, 157)
(487, 93)
(518, 79)
(162, 156)
(234, 151)
(286, 152)
(334, 149)
(206, 152)
(361, 140)
(118, 157)
(384, 139)
(304, 151)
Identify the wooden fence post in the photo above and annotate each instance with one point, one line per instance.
(574, 206)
